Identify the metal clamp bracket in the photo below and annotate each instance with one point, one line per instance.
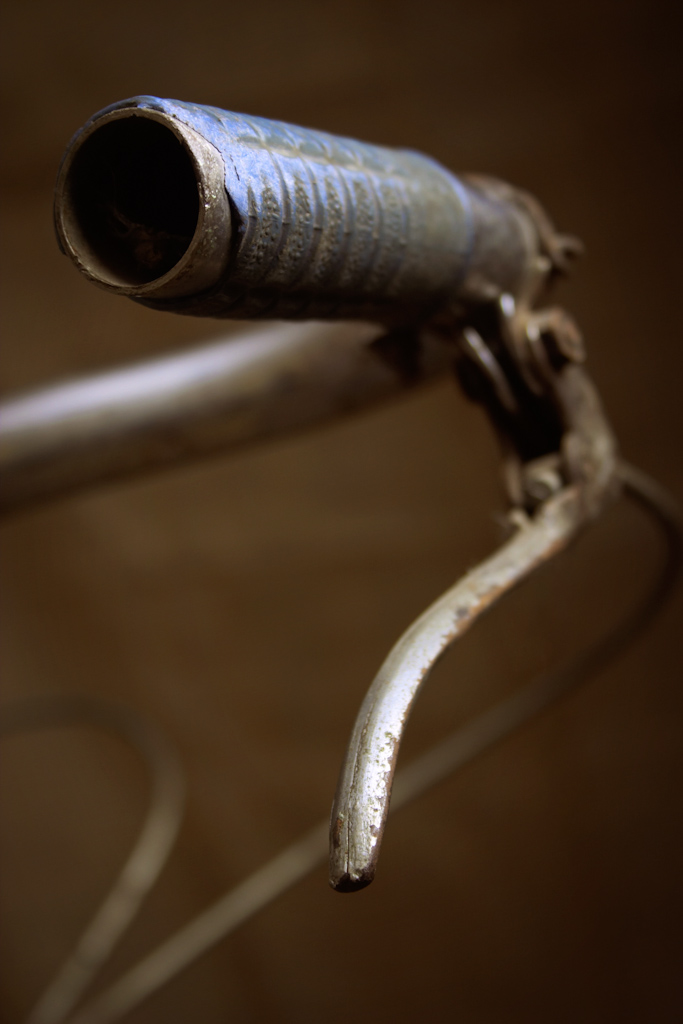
(560, 469)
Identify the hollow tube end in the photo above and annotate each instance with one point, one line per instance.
(346, 883)
(141, 206)
(347, 874)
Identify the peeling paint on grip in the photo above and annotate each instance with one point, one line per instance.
(325, 227)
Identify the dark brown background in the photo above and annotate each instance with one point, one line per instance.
(245, 604)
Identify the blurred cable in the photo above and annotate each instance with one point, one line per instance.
(149, 854)
(295, 862)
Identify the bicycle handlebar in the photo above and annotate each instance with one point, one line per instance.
(210, 213)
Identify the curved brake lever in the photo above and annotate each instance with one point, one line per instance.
(555, 491)
(362, 801)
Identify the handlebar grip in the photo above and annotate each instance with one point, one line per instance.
(205, 212)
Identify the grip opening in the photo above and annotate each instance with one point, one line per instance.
(134, 200)
(141, 205)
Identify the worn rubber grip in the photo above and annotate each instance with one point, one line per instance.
(211, 213)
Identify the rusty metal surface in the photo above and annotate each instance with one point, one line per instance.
(232, 909)
(286, 222)
(321, 227)
(361, 803)
(561, 470)
(325, 227)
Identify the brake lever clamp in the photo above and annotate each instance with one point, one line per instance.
(525, 365)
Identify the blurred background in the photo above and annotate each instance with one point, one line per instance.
(245, 603)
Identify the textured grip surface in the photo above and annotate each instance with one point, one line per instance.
(327, 227)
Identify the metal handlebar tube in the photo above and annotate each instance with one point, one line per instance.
(561, 469)
(205, 212)
(361, 803)
(196, 210)
(201, 211)
(217, 397)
